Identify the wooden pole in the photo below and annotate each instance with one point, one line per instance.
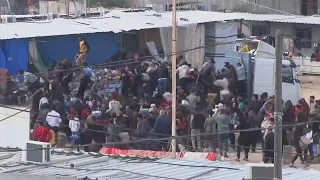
(85, 8)
(277, 108)
(174, 66)
(68, 8)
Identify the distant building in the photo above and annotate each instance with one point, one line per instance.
(300, 7)
(5, 7)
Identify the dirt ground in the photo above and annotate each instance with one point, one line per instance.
(310, 85)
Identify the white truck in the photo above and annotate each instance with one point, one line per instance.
(263, 65)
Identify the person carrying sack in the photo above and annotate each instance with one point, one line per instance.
(299, 138)
(306, 144)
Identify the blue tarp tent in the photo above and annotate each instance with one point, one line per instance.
(102, 47)
(14, 55)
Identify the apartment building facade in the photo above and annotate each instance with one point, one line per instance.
(297, 7)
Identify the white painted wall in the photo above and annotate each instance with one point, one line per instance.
(14, 131)
(288, 29)
(60, 7)
(247, 25)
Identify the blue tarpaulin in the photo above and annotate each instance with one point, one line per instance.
(3, 59)
(102, 47)
(14, 55)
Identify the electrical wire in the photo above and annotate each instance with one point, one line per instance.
(125, 62)
(20, 109)
(101, 65)
(247, 130)
(196, 48)
(200, 134)
(203, 134)
(132, 60)
(167, 138)
(129, 61)
(189, 137)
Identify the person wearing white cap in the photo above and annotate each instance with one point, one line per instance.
(220, 106)
(153, 106)
(223, 122)
(210, 128)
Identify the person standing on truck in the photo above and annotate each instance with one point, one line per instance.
(84, 49)
(241, 78)
(234, 77)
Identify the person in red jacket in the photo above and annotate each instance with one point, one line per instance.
(85, 112)
(42, 133)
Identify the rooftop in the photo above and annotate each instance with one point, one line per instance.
(114, 21)
(102, 167)
(117, 21)
(278, 18)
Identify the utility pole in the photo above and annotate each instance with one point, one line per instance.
(278, 108)
(68, 8)
(85, 8)
(88, 3)
(196, 4)
(174, 78)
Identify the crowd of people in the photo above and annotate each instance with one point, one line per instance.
(76, 108)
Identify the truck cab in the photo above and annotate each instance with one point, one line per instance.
(262, 69)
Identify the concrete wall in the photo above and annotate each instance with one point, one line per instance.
(292, 6)
(287, 28)
(247, 26)
(14, 131)
(60, 7)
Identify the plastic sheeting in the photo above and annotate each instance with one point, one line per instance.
(102, 47)
(166, 40)
(195, 40)
(155, 154)
(3, 59)
(153, 51)
(188, 37)
(220, 32)
(16, 55)
(35, 57)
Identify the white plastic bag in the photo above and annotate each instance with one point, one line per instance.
(309, 136)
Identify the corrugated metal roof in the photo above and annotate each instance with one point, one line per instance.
(278, 18)
(118, 21)
(104, 167)
(114, 21)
